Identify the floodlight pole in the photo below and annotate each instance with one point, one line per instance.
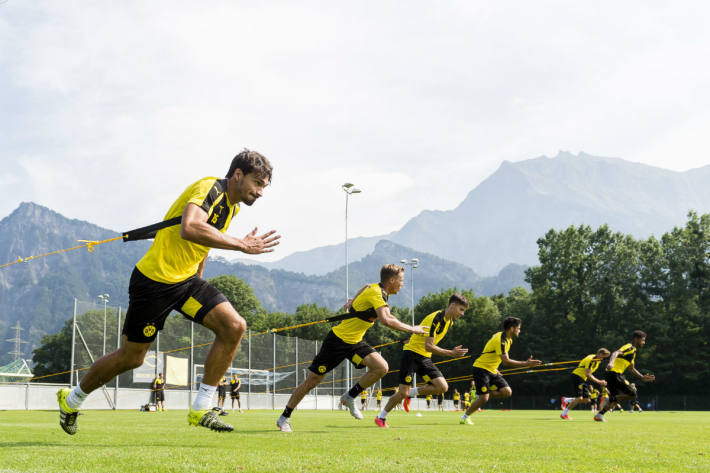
(412, 263)
(104, 298)
(349, 189)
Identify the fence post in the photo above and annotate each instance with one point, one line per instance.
(316, 388)
(249, 373)
(191, 379)
(73, 343)
(273, 373)
(296, 360)
(118, 346)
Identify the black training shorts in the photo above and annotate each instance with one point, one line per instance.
(234, 395)
(617, 385)
(487, 381)
(415, 363)
(334, 350)
(159, 395)
(150, 303)
(580, 387)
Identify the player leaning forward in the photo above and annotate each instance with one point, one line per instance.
(416, 357)
(489, 381)
(169, 277)
(619, 387)
(344, 341)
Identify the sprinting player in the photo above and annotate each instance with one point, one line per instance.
(221, 393)
(344, 341)
(581, 379)
(416, 357)
(489, 381)
(234, 385)
(159, 390)
(457, 398)
(428, 401)
(363, 400)
(379, 398)
(593, 399)
(440, 402)
(619, 362)
(169, 277)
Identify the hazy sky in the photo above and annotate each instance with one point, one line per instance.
(108, 110)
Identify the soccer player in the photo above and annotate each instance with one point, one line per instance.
(379, 398)
(466, 399)
(363, 400)
(344, 341)
(169, 277)
(457, 398)
(428, 401)
(489, 381)
(221, 393)
(619, 362)
(159, 390)
(234, 385)
(440, 402)
(581, 379)
(416, 357)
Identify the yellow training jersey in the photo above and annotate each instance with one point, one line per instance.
(625, 358)
(588, 363)
(379, 395)
(457, 396)
(364, 305)
(466, 396)
(437, 327)
(171, 259)
(490, 358)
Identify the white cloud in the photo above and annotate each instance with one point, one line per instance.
(110, 109)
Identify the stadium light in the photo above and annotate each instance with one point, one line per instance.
(104, 298)
(349, 188)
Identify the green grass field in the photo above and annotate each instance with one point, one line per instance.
(518, 441)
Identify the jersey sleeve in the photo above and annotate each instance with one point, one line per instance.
(374, 299)
(503, 346)
(203, 194)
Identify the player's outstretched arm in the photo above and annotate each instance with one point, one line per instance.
(612, 359)
(195, 228)
(453, 353)
(646, 377)
(600, 382)
(388, 320)
(505, 359)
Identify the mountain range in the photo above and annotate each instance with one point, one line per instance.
(500, 220)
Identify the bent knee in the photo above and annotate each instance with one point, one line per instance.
(443, 387)
(506, 392)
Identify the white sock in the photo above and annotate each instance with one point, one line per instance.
(464, 416)
(383, 414)
(413, 392)
(76, 397)
(569, 399)
(203, 401)
(566, 411)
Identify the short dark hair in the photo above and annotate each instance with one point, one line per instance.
(638, 334)
(511, 322)
(389, 270)
(459, 299)
(251, 161)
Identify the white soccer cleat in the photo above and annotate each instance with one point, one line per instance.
(349, 402)
(283, 424)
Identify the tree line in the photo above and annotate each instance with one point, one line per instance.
(591, 289)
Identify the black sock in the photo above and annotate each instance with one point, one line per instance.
(355, 390)
(287, 412)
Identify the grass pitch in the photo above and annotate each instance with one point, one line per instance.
(324, 441)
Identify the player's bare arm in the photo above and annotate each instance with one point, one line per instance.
(600, 382)
(646, 377)
(612, 359)
(195, 228)
(430, 346)
(505, 359)
(388, 320)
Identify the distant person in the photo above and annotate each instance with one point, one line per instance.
(428, 401)
(159, 392)
(234, 385)
(440, 402)
(344, 341)
(378, 396)
(416, 357)
(169, 277)
(221, 393)
(456, 398)
(489, 382)
(581, 379)
(619, 388)
(363, 400)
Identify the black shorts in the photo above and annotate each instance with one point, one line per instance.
(487, 381)
(334, 350)
(580, 387)
(160, 396)
(415, 363)
(439, 400)
(617, 385)
(221, 393)
(234, 395)
(150, 303)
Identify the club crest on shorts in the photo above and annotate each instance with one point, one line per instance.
(321, 369)
(408, 379)
(484, 389)
(149, 330)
